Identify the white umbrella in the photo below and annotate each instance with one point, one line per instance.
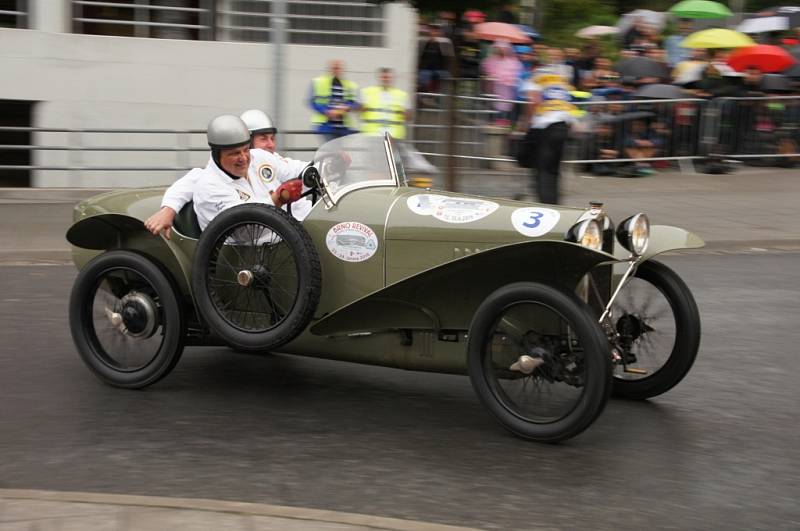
(764, 24)
(650, 17)
(596, 31)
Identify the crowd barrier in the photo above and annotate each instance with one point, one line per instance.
(456, 132)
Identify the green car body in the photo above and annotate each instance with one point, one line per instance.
(403, 269)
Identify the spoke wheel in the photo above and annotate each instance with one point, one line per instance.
(658, 324)
(539, 362)
(256, 277)
(126, 320)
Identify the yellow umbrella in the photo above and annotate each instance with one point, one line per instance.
(717, 38)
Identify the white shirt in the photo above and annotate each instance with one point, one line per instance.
(545, 119)
(267, 170)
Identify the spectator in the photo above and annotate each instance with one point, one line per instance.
(641, 142)
(571, 58)
(672, 44)
(434, 60)
(385, 108)
(508, 14)
(601, 76)
(333, 99)
(558, 66)
(503, 69)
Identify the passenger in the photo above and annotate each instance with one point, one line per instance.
(263, 135)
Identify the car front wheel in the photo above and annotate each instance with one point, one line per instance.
(658, 327)
(126, 319)
(539, 362)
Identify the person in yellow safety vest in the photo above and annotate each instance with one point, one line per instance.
(333, 99)
(384, 108)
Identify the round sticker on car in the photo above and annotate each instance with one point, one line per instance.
(451, 209)
(534, 221)
(351, 241)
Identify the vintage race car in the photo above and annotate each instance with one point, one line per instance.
(547, 309)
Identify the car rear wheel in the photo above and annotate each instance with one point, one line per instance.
(659, 332)
(126, 319)
(539, 362)
(256, 277)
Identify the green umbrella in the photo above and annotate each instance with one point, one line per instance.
(700, 9)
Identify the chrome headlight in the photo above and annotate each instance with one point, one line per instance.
(634, 234)
(587, 233)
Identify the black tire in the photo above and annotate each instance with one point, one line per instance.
(574, 358)
(663, 338)
(256, 277)
(131, 287)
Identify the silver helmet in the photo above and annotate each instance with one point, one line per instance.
(227, 131)
(258, 122)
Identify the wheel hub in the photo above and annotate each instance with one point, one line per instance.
(136, 315)
(631, 327)
(244, 277)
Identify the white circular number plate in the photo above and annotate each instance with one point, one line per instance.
(534, 221)
(351, 241)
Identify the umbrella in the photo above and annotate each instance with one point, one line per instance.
(700, 9)
(650, 17)
(765, 57)
(717, 38)
(660, 92)
(529, 31)
(638, 67)
(772, 19)
(596, 31)
(473, 15)
(763, 25)
(494, 31)
(775, 83)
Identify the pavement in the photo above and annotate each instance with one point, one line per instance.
(751, 210)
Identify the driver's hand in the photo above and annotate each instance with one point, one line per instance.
(161, 221)
(288, 192)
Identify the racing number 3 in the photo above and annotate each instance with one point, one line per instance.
(534, 220)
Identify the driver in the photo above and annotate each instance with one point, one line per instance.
(236, 174)
(262, 137)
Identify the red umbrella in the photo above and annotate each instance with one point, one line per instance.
(495, 31)
(473, 15)
(765, 57)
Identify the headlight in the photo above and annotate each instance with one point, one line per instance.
(634, 234)
(586, 233)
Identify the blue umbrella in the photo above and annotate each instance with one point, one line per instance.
(529, 31)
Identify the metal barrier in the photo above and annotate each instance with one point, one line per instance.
(17, 17)
(456, 132)
(319, 22)
(760, 130)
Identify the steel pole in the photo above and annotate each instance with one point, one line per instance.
(279, 24)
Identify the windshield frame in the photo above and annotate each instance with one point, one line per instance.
(393, 181)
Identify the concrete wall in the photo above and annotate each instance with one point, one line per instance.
(86, 81)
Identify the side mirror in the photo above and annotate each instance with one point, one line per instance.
(311, 177)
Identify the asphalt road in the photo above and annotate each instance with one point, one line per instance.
(718, 451)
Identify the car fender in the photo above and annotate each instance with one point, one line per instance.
(446, 297)
(107, 231)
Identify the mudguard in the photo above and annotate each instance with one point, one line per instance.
(106, 231)
(664, 238)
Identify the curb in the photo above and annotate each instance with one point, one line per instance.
(237, 508)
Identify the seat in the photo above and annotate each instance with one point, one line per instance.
(186, 222)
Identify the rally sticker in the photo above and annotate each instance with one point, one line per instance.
(265, 172)
(451, 209)
(351, 241)
(534, 221)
